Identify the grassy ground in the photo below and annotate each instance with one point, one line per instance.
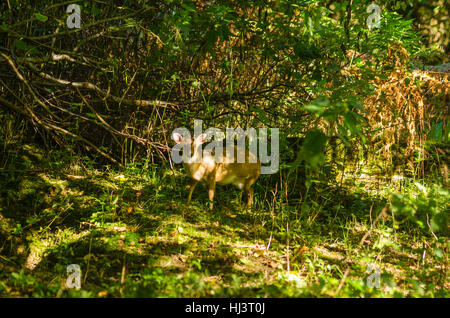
(133, 236)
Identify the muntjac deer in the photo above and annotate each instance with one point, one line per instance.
(207, 170)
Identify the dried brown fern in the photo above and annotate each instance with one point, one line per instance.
(404, 107)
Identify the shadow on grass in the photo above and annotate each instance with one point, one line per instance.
(134, 235)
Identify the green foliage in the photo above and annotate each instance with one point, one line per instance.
(428, 207)
(312, 148)
(344, 116)
(41, 17)
(302, 66)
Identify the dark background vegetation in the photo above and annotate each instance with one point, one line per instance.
(86, 117)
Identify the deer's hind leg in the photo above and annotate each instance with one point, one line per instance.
(249, 191)
(211, 190)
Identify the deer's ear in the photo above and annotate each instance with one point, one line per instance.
(201, 139)
(177, 137)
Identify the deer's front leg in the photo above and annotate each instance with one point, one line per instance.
(191, 190)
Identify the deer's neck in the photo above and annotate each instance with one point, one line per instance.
(191, 164)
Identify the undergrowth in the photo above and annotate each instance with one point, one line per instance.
(132, 235)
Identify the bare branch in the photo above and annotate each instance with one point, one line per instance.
(90, 86)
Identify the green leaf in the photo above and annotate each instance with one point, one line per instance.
(312, 148)
(435, 133)
(438, 222)
(262, 115)
(41, 17)
(188, 7)
(344, 139)
(351, 123)
(356, 104)
(331, 114)
(21, 45)
(438, 253)
(211, 37)
(91, 115)
(318, 105)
